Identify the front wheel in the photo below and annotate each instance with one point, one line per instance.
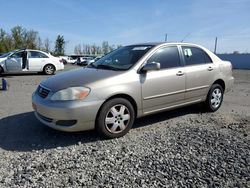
(49, 69)
(115, 118)
(214, 98)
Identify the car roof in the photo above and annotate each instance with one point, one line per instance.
(160, 43)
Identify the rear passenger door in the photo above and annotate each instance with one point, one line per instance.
(199, 70)
(36, 60)
(165, 87)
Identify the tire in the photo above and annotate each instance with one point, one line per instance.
(49, 69)
(115, 118)
(214, 98)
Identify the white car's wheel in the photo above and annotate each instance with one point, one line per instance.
(49, 69)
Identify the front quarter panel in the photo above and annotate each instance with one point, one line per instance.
(127, 83)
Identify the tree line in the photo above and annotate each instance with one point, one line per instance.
(21, 38)
(93, 49)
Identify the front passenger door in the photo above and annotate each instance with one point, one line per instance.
(166, 87)
(14, 62)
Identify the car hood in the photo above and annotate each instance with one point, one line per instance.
(78, 77)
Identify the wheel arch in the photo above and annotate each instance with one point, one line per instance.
(221, 83)
(124, 96)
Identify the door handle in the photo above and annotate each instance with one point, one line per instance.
(210, 68)
(180, 73)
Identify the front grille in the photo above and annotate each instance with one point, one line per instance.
(42, 92)
(45, 118)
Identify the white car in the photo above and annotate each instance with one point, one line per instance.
(68, 59)
(26, 60)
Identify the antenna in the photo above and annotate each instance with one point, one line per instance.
(215, 45)
(166, 37)
(185, 37)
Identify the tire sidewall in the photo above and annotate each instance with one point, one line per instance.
(100, 120)
(209, 104)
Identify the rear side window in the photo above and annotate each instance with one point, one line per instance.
(35, 54)
(168, 57)
(195, 56)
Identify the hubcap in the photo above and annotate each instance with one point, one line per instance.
(49, 69)
(117, 119)
(216, 98)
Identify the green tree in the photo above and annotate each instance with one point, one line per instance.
(59, 45)
(17, 34)
(31, 40)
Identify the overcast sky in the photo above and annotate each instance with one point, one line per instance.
(132, 21)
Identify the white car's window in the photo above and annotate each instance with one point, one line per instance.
(35, 54)
(17, 55)
(195, 56)
(168, 57)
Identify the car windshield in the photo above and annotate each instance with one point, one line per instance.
(121, 59)
(5, 55)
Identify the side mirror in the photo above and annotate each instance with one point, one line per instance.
(151, 66)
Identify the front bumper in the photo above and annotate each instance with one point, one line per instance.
(80, 114)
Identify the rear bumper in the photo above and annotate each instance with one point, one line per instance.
(229, 84)
(75, 115)
(60, 67)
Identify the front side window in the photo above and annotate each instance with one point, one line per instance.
(123, 58)
(195, 56)
(35, 54)
(17, 55)
(168, 57)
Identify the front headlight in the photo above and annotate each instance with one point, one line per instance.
(69, 94)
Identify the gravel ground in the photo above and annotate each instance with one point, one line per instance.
(180, 148)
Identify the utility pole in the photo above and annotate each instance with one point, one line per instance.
(166, 37)
(215, 45)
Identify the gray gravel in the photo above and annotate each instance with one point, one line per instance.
(181, 148)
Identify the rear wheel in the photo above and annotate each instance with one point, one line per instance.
(49, 69)
(214, 98)
(115, 118)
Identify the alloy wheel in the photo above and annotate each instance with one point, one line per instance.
(117, 119)
(216, 98)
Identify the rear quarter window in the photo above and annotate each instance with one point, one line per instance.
(195, 56)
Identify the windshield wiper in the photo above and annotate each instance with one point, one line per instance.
(107, 67)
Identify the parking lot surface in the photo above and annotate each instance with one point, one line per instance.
(183, 147)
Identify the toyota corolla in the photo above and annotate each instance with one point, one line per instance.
(131, 82)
